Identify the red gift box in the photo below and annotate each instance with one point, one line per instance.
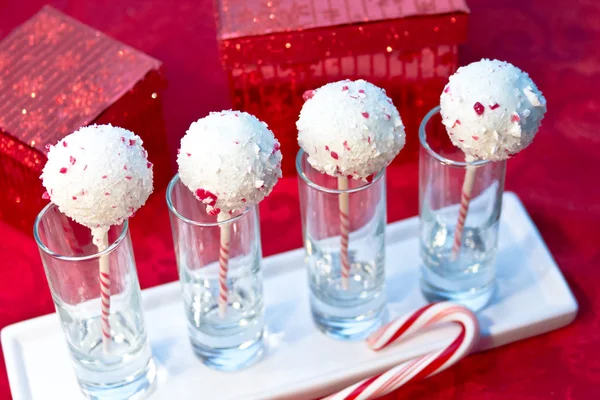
(56, 75)
(274, 50)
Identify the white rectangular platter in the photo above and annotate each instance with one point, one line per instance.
(532, 297)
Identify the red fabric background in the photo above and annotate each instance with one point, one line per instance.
(556, 41)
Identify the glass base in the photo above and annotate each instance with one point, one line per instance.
(474, 299)
(348, 323)
(230, 358)
(132, 388)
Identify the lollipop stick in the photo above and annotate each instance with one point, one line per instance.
(344, 230)
(225, 232)
(105, 292)
(465, 200)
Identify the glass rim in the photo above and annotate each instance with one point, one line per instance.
(42, 246)
(174, 211)
(313, 185)
(437, 156)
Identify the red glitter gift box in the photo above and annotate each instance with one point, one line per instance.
(56, 75)
(274, 50)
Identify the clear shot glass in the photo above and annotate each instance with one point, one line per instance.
(219, 265)
(111, 358)
(347, 302)
(459, 220)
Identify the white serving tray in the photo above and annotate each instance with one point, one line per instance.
(532, 297)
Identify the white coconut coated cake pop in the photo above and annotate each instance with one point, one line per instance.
(99, 176)
(491, 109)
(350, 128)
(229, 160)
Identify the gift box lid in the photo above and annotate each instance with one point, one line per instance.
(57, 74)
(256, 33)
(262, 17)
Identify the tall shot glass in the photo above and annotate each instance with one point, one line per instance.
(457, 264)
(347, 308)
(229, 337)
(121, 367)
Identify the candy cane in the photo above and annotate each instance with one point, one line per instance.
(420, 367)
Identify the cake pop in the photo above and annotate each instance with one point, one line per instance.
(491, 109)
(350, 128)
(99, 176)
(229, 160)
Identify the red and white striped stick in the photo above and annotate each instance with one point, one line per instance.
(225, 233)
(344, 231)
(465, 200)
(105, 294)
(420, 367)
